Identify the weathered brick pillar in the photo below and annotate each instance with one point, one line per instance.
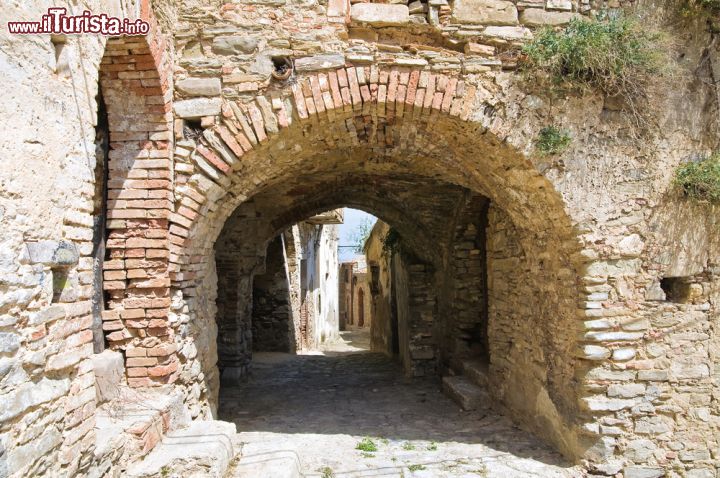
(134, 83)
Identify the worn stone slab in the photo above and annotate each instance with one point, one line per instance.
(53, 253)
(109, 369)
(380, 14)
(476, 371)
(257, 460)
(199, 86)
(485, 12)
(468, 395)
(535, 17)
(30, 395)
(507, 33)
(320, 62)
(204, 448)
(234, 45)
(197, 107)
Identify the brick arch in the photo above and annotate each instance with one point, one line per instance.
(387, 113)
(377, 121)
(135, 80)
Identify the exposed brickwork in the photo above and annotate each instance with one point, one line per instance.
(136, 86)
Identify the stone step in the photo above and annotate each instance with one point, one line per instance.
(468, 395)
(131, 425)
(262, 463)
(203, 449)
(477, 372)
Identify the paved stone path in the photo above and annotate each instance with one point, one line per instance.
(319, 407)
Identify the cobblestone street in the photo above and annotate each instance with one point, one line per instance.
(321, 407)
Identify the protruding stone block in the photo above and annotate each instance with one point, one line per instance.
(197, 107)
(485, 12)
(199, 86)
(205, 448)
(536, 17)
(109, 375)
(320, 62)
(506, 33)
(53, 253)
(468, 395)
(234, 45)
(380, 14)
(479, 49)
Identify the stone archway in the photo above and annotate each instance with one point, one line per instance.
(373, 122)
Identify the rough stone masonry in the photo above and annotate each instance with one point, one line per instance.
(124, 158)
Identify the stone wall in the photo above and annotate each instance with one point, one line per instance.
(384, 329)
(50, 286)
(465, 285)
(273, 328)
(345, 293)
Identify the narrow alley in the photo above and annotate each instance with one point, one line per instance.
(323, 413)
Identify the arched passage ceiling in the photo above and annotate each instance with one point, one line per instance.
(438, 146)
(421, 209)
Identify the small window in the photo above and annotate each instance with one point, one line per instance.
(680, 290)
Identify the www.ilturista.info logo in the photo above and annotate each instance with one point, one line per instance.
(58, 22)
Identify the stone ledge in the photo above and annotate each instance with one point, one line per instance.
(380, 14)
(205, 448)
(53, 253)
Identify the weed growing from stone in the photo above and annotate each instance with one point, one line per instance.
(327, 472)
(612, 53)
(552, 140)
(700, 180)
(408, 446)
(432, 446)
(416, 467)
(367, 455)
(366, 444)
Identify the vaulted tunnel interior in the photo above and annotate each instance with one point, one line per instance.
(441, 226)
(467, 294)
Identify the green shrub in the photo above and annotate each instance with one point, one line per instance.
(613, 53)
(552, 140)
(416, 467)
(366, 444)
(700, 180)
(391, 242)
